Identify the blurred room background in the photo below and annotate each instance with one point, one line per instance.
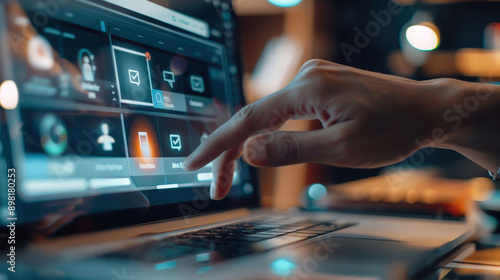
(416, 39)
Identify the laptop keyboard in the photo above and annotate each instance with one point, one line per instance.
(234, 239)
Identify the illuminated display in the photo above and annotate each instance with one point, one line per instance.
(102, 110)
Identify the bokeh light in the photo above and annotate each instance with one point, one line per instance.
(285, 3)
(283, 267)
(317, 191)
(423, 37)
(9, 95)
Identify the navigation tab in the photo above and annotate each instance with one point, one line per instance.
(200, 105)
(182, 21)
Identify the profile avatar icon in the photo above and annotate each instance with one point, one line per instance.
(88, 74)
(87, 66)
(105, 139)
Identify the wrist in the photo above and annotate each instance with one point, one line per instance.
(444, 119)
(470, 111)
(455, 113)
(468, 117)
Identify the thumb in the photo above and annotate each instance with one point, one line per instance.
(284, 148)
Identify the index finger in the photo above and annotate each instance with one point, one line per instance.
(269, 113)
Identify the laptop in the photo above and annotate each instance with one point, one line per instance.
(101, 102)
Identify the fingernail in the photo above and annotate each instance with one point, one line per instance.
(212, 190)
(256, 156)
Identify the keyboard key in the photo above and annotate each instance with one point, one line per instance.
(292, 226)
(272, 243)
(281, 230)
(306, 231)
(253, 238)
(265, 226)
(262, 236)
(272, 232)
(306, 224)
(327, 227)
(307, 235)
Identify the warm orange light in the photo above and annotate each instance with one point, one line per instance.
(144, 145)
(142, 130)
(9, 95)
(478, 62)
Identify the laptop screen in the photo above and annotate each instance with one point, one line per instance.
(113, 96)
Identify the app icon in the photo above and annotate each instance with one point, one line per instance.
(143, 140)
(87, 65)
(134, 77)
(105, 139)
(53, 135)
(169, 77)
(175, 142)
(197, 84)
(40, 53)
(143, 146)
(159, 97)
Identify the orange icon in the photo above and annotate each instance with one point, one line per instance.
(148, 56)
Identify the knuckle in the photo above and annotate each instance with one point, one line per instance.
(286, 149)
(313, 63)
(246, 116)
(324, 76)
(344, 150)
(312, 73)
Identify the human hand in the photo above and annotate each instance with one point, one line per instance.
(369, 120)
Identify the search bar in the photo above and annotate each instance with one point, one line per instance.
(169, 100)
(165, 15)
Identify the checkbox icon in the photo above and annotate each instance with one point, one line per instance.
(134, 77)
(197, 84)
(175, 142)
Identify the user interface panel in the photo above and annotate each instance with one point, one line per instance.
(114, 95)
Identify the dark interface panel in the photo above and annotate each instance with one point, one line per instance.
(114, 107)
